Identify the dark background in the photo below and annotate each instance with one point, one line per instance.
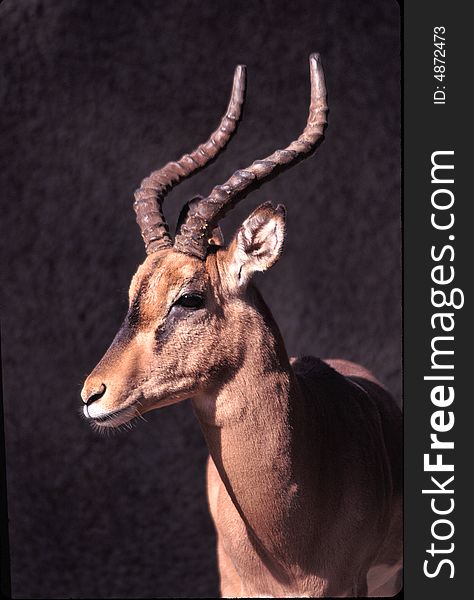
(95, 94)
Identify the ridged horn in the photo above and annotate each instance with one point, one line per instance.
(203, 216)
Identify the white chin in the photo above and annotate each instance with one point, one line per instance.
(110, 419)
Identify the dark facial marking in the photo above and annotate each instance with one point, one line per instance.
(133, 315)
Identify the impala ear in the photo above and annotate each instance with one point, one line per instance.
(258, 243)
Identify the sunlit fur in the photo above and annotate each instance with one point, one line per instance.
(304, 474)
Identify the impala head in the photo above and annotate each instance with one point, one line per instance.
(189, 301)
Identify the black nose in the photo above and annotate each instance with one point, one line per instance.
(96, 395)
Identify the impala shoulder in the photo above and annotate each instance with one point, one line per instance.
(325, 367)
(351, 369)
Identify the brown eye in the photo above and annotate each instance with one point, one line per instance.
(190, 301)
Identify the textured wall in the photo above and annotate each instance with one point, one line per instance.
(95, 95)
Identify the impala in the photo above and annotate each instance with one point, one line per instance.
(304, 472)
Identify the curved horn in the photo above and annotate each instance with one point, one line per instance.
(204, 215)
(149, 197)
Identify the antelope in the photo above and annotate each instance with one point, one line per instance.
(304, 469)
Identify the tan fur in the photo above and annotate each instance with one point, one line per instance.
(304, 473)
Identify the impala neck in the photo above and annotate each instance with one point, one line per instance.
(250, 424)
